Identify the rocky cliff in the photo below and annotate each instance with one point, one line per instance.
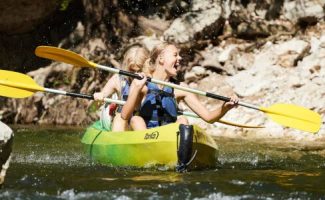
(270, 51)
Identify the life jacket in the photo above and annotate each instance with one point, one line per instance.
(108, 110)
(125, 89)
(159, 107)
(107, 114)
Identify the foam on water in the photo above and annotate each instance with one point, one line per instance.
(51, 164)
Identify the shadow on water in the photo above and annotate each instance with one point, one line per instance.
(49, 163)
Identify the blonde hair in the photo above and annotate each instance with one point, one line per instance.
(150, 64)
(134, 56)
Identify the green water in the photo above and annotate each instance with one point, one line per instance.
(49, 163)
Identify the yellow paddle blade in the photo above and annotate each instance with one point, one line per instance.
(294, 116)
(17, 85)
(63, 55)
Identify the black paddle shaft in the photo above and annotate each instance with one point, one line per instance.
(208, 94)
(215, 96)
(84, 96)
(130, 74)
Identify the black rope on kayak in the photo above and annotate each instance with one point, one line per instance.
(183, 167)
(194, 155)
(184, 148)
(92, 143)
(192, 158)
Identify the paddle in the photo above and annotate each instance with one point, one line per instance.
(17, 85)
(285, 114)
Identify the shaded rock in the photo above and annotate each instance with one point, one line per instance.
(27, 110)
(203, 21)
(28, 24)
(155, 26)
(16, 17)
(74, 37)
(77, 109)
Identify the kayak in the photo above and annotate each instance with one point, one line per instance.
(156, 147)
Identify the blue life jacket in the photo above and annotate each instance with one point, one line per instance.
(125, 89)
(159, 107)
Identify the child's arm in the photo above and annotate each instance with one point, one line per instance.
(209, 116)
(109, 88)
(136, 93)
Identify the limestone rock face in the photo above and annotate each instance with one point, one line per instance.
(308, 11)
(204, 20)
(21, 16)
(265, 52)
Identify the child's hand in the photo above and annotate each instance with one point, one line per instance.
(99, 96)
(232, 103)
(140, 83)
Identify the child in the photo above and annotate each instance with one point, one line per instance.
(159, 103)
(133, 61)
(163, 62)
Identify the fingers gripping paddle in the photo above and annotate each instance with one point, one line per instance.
(284, 114)
(17, 85)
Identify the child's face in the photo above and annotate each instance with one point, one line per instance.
(171, 59)
(135, 68)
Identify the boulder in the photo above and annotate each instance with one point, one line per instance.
(21, 16)
(308, 11)
(203, 21)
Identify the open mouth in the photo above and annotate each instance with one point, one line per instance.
(176, 65)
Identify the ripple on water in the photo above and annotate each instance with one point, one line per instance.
(51, 164)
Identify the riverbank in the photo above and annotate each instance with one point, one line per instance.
(267, 53)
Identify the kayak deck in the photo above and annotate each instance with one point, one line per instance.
(148, 148)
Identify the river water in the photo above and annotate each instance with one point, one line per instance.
(49, 163)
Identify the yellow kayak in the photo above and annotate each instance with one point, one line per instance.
(149, 148)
